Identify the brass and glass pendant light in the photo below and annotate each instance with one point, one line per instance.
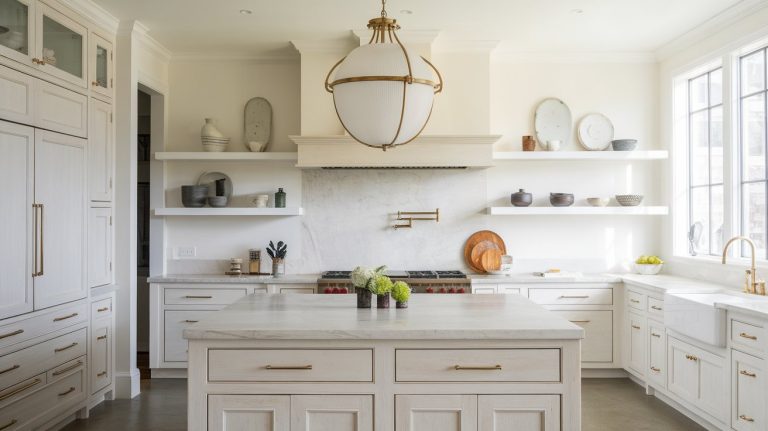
(383, 95)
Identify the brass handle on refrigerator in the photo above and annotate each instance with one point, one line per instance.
(42, 239)
(36, 228)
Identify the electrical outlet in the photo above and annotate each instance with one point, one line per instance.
(185, 252)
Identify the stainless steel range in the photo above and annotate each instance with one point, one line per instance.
(420, 281)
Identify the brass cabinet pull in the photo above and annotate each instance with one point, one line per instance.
(101, 310)
(580, 321)
(655, 335)
(59, 319)
(656, 308)
(492, 367)
(634, 300)
(101, 374)
(35, 227)
(288, 367)
(61, 349)
(574, 296)
(21, 389)
(8, 370)
(635, 326)
(656, 369)
(68, 391)
(9, 424)
(747, 373)
(60, 372)
(191, 321)
(746, 418)
(691, 358)
(198, 297)
(103, 337)
(747, 336)
(11, 334)
(42, 238)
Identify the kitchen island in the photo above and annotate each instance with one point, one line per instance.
(448, 362)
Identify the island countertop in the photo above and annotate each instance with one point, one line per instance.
(428, 317)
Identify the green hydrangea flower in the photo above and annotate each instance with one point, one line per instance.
(401, 292)
(381, 285)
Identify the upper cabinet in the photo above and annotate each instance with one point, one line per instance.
(100, 69)
(35, 34)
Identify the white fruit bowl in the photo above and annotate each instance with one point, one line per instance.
(648, 269)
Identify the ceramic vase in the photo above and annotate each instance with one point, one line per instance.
(280, 198)
(521, 198)
(363, 297)
(278, 267)
(382, 301)
(209, 130)
(529, 144)
(194, 196)
(403, 304)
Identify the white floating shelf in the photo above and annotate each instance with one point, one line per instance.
(640, 210)
(581, 155)
(225, 156)
(229, 211)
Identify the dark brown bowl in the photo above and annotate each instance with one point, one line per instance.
(561, 199)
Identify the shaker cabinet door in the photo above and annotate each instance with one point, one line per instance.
(331, 413)
(100, 63)
(100, 149)
(61, 45)
(636, 342)
(436, 413)
(249, 412)
(518, 412)
(99, 247)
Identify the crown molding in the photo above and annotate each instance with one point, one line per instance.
(478, 46)
(155, 47)
(568, 57)
(335, 46)
(408, 37)
(94, 13)
(722, 20)
(191, 57)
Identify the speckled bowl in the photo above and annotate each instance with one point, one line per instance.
(629, 200)
(624, 144)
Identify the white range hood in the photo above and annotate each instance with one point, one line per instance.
(426, 152)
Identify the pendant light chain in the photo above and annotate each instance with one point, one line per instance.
(383, 8)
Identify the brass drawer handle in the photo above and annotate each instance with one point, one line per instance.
(8, 370)
(580, 321)
(574, 296)
(691, 358)
(199, 297)
(70, 368)
(747, 373)
(101, 374)
(9, 424)
(747, 336)
(288, 367)
(191, 321)
(658, 370)
(11, 334)
(746, 418)
(489, 368)
(61, 349)
(656, 308)
(59, 319)
(101, 310)
(68, 391)
(103, 337)
(21, 389)
(655, 335)
(634, 300)
(635, 326)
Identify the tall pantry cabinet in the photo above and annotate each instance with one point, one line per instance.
(56, 221)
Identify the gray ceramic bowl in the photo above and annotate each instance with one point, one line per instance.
(193, 196)
(217, 201)
(624, 144)
(629, 200)
(561, 199)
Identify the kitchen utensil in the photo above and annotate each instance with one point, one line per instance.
(624, 144)
(595, 132)
(477, 253)
(257, 124)
(561, 199)
(194, 196)
(476, 238)
(217, 201)
(629, 200)
(552, 121)
(491, 260)
(521, 198)
(206, 178)
(598, 202)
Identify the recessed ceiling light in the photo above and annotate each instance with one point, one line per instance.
(245, 11)
(577, 11)
(406, 11)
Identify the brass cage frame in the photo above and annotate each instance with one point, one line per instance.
(385, 31)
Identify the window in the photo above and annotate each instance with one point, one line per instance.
(753, 145)
(705, 163)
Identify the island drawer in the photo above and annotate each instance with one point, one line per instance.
(746, 334)
(290, 365)
(477, 365)
(175, 296)
(571, 296)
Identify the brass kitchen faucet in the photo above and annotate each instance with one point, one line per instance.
(752, 284)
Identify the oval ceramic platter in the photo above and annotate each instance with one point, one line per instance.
(209, 179)
(552, 121)
(595, 132)
(258, 122)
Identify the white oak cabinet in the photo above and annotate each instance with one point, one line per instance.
(99, 246)
(101, 143)
(518, 412)
(698, 376)
(436, 412)
(332, 413)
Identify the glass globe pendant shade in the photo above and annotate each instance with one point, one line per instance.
(382, 94)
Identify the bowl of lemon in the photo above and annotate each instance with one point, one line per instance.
(648, 265)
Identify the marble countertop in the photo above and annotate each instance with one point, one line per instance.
(530, 278)
(428, 317)
(235, 279)
(664, 283)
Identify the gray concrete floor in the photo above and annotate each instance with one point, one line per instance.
(608, 405)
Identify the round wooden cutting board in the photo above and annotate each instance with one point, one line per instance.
(478, 237)
(491, 260)
(477, 252)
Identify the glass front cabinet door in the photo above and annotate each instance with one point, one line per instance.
(101, 65)
(61, 45)
(16, 30)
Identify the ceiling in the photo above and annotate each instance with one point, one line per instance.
(217, 26)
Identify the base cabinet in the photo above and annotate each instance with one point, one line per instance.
(435, 413)
(636, 343)
(657, 353)
(698, 377)
(294, 412)
(748, 392)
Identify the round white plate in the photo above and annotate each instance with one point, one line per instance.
(552, 122)
(595, 132)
